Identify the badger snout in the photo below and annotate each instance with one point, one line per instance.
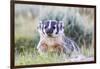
(49, 32)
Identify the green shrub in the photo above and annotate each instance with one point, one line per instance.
(74, 26)
(75, 29)
(24, 43)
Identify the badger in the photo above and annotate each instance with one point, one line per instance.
(53, 39)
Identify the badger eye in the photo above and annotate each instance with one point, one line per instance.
(53, 27)
(45, 27)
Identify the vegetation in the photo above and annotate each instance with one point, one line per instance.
(78, 26)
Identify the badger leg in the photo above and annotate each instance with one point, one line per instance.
(42, 48)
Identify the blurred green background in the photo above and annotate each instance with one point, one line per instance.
(79, 25)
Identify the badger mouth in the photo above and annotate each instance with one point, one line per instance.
(50, 35)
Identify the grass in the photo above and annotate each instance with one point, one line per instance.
(32, 57)
(29, 58)
(89, 52)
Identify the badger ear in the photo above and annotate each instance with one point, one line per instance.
(61, 23)
(39, 25)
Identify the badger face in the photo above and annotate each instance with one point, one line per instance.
(51, 28)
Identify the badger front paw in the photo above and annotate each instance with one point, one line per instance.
(42, 48)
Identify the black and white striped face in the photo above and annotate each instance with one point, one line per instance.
(51, 28)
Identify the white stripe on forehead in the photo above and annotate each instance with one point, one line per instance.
(49, 24)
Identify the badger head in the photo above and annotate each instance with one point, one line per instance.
(51, 28)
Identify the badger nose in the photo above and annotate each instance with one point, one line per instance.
(49, 32)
